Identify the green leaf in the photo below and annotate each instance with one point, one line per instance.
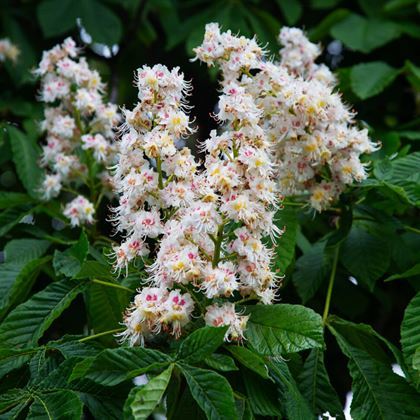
(315, 386)
(369, 79)
(365, 256)
(94, 269)
(11, 199)
(250, 360)
(311, 270)
(25, 250)
(10, 217)
(406, 173)
(57, 18)
(98, 20)
(220, 362)
(410, 334)
(323, 28)
(378, 393)
(291, 9)
(212, 393)
(262, 395)
(25, 156)
(56, 405)
(278, 329)
(17, 279)
(365, 35)
(201, 344)
(113, 366)
(70, 261)
(26, 324)
(413, 271)
(143, 400)
(11, 359)
(285, 249)
(296, 406)
(97, 298)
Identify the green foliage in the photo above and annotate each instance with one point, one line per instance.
(61, 305)
(279, 329)
(142, 401)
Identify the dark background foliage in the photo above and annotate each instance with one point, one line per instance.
(373, 47)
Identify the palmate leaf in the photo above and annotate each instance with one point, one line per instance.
(378, 393)
(263, 396)
(311, 270)
(17, 279)
(365, 256)
(113, 366)
(143, 400)
(25, 325)
(285, 248)
(70, 261)
(97, 298)
(250, 360)
(25, 250)
(56, 405)
(12, 199)
(278, 329)
(212, 392)
(25, 156)
(220, 362)
(295, 405)
(410, 336)
(102, 401)
(315, 386)
(201, 344)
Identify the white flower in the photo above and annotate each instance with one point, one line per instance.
(225, 315)
(79, 211)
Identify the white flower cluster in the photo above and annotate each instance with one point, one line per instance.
(318, 145)
(8, 50)
(208, 222)
(78, 125)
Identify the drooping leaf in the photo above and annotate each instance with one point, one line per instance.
(70, 261)
(11, 199)
(278, 329)
(295, 405)
(365, 256)
(406, 174)
(25, 325)
(212, 392)
(10, 217)
(285, 248)
(411, 272)
(315, 386)
(250, 360)
(369, 79)
(410, 334)
(11, 359)
(56, 405)
(25, 250)
(25, 156)
(100, 296)
(17, 279)
(220, 362)
(113, 366)
(311, 270)
(143, 400)
(201, 344)
(262, 394)
(378, 393)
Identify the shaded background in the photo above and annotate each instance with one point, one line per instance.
(373, 46)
